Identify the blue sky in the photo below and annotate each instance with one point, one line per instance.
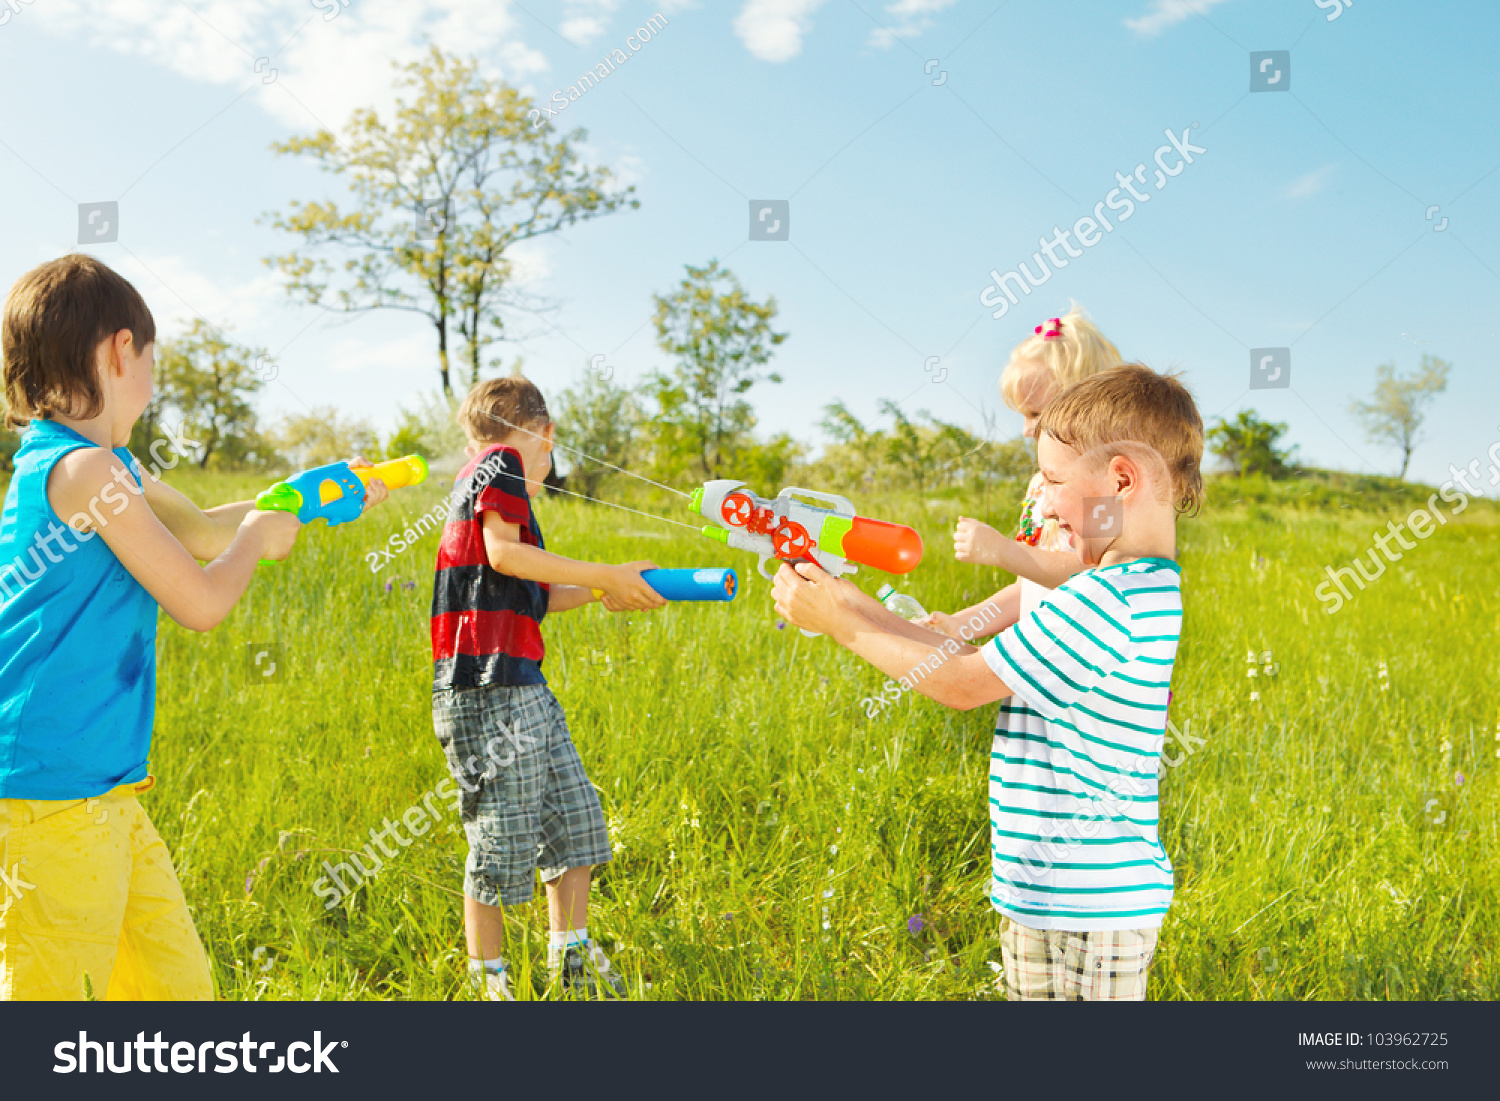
(1306, 223)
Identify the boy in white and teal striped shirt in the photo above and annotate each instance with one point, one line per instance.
(1079, 874)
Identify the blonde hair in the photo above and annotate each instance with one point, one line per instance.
(1132, 402)
(495, 408)
(1078, 351)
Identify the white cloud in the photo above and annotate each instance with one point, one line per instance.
(1310, 184)
(772, 30)
(908, 19)
(407, 353)
(179, 292)
(1167, 13)
(325, 67)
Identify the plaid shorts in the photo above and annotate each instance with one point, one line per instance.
(1058, 965)
(525, 800)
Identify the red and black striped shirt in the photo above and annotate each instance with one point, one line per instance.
(486, 625)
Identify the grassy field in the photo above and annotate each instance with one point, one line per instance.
(1335, 837)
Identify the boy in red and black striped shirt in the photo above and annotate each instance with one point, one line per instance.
(527, 803)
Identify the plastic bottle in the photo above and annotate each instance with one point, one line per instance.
(904, 606)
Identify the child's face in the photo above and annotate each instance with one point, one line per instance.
(1032, 397)
(1069, 488)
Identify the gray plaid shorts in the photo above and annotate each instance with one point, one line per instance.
(525, 801)
(1057, 965)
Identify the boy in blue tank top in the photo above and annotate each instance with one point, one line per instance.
(90, 547)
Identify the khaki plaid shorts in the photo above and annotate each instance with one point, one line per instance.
(1058, 965)
(526, 803)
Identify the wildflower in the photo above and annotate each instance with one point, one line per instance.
(781, 625)
(408, 585)
(915, 924)
(1458, 778)
(387, 586)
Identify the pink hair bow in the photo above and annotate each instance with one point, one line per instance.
(1055, 331)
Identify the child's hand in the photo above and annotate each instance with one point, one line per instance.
(943, 622)
(627, 591)
(975, 541)
(376, 491)
(807, 597)
(275, 531)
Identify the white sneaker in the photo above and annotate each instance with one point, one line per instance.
(496, 986)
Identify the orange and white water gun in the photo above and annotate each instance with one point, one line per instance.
(804, 525)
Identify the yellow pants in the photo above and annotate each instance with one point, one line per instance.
(87, 889)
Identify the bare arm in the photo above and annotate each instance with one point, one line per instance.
(508, 555)
(207, 533)
(994, 615)
(977, 542)
(93, 491)
(563, 598)
(805, 598)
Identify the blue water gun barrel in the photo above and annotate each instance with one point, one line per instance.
(704, 584)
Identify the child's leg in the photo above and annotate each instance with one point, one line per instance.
(568, 901)
(484, 929)
(1034, 961)
(1111, 966)
(160, 957)
(63, 895)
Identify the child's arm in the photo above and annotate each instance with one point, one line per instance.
(196, 597)
(563, 598)
(622, 585)
(206, 534)
(809, 598)
(975, 541)
(995, 614)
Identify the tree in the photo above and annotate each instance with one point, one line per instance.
(429, 430)
(1396, 414)
(207, 381)
(10, 443)
(600, 420)
(440, 196)
(322, 436)
(1247, 444)
(924, 447)
(722, 340)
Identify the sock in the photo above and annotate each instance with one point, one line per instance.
(560, 942)
(495, 965)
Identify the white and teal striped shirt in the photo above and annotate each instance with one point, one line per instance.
(1073, 806)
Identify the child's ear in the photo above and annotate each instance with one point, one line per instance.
(549, 432)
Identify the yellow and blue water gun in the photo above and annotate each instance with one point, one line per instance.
(336, 492)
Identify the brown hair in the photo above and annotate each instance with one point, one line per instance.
(1132, 402)
(495, 408)
(55, 317)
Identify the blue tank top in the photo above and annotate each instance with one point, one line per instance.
(77, 640)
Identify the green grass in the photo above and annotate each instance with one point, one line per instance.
(1323, 846)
